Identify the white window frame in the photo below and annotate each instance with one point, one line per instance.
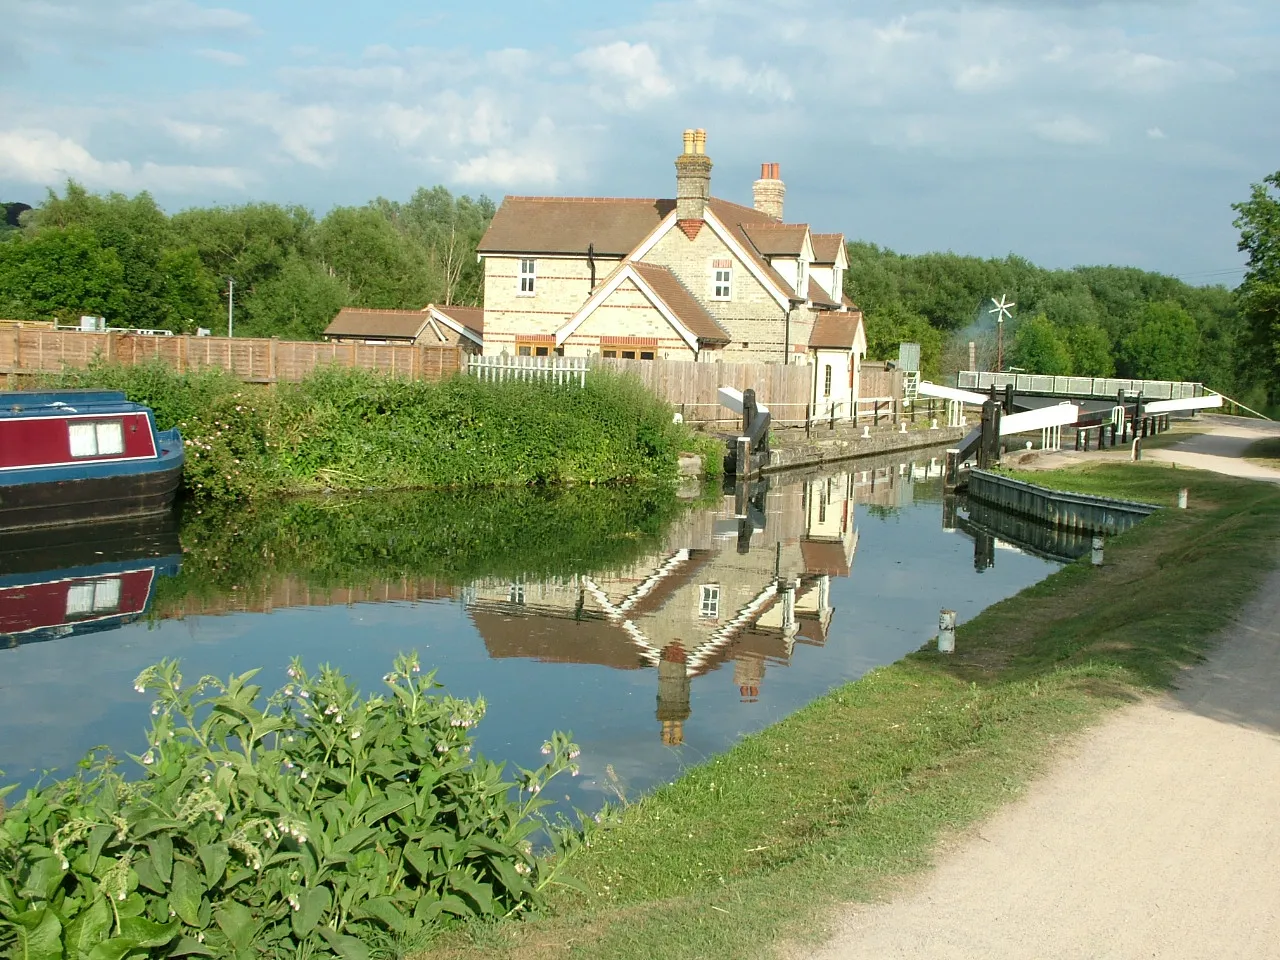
(96, 438)
(709, 601)
(515, 594)
(722, 280)
(88, 597)
(528, 277)
(826, 382)
(837, 284)
(802, 279)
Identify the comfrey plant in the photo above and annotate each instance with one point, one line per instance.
(318, 822)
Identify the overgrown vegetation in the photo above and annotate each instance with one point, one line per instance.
(127, 260)
(454, 536)
(1258, 221)
(843, 798)
(319, 822)
(353, 430)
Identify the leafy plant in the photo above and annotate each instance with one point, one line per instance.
(318, 823)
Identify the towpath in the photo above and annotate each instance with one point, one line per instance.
(1157, 834)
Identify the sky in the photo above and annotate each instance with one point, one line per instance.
(1065, 131)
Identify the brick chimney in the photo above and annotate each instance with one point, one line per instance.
(693, 182)
(769, 190)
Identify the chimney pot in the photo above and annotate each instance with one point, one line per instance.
(693, 181)
(769, 191)
(699, 141)
(688, 141)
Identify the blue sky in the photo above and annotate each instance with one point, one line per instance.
(1066, 132)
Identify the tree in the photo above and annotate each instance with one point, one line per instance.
(59, 274)
(297, 303)
(1259, 226)
(380, 265)
(1090, 351)
(1038, 348)
(892, 325)
(1164, 344)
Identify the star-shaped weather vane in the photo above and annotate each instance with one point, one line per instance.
(1003, 306)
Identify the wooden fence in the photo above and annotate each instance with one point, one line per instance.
(24, 350)
(558, 369)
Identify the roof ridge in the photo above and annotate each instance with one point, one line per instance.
(384, 309)
(550, 199)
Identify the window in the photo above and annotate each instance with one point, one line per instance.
(528, 273)
(802, 279)
(822, 504)
(100, 438)
(94, 596)
(710, 605)
(533, 349)
(721, 280)
(516, 594)
(826, 382)
(837, 281)
(616, 353)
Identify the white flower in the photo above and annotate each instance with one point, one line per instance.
(303, 694)
(546, 749)
(148, 759)
(303, 775)
(355, 734)
(65, 865)
(574, 754)
(139, 688)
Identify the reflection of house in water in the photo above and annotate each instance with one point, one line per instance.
(729, 588)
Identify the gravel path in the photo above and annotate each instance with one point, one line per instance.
(1156, 835)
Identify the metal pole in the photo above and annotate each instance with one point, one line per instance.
(231, 307)
(1000, 345)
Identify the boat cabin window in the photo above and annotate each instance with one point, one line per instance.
(94, 596)
(97, 438)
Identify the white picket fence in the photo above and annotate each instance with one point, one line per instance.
(566, 370)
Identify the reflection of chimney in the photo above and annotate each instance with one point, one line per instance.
(673, 694)
(693, 182)
(748, 672)
(769, 190)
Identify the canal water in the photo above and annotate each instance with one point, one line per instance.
(658, 631)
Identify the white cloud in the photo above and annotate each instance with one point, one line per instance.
(1068, 129)
(225, 57)
(124, 20)
(194, 134)
(1155, 133)
(626, 73)
(979, 77)
(508, 168)
(732, 75)
(39, 156)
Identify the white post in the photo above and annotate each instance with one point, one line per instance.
(231, 307)
(1182, 499)
(1096, 557)
(947, 631)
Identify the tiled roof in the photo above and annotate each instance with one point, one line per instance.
(737, 217)
(562, 225)
(825, 557)
(826, 246)
(819, 296)
(470, 317)
(377, 324)
(834, 330)
(681, 302)
(777, 239)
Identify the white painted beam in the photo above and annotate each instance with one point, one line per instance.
(926, 389)
(1190, 403)
(1056, 416)
(732, 398)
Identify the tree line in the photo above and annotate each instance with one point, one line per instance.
(124, 258)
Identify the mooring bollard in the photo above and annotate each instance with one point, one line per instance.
(1097, 551)
(947, 631)
(933, 424)
(866, 433)
(902, 427)
(1182, 499)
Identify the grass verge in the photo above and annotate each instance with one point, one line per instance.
(846, 797)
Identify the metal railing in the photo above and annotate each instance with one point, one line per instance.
(1093, 387)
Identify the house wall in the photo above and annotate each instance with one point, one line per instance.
(843, 366)
(627, 312)
(562, 286)
(753, 317)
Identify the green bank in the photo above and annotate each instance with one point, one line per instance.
(848, 796)
(343, 430)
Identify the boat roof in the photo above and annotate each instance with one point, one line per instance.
(27, 403)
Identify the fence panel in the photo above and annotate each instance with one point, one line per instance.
(26, 350)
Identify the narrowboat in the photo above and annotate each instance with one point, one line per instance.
(54, 584)
(77, 456)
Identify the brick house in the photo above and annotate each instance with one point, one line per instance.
(691, 278)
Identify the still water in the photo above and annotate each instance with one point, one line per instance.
(656, 631)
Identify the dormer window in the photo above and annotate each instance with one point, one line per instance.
(837, 284)
(802, 279)
(722, 280)
(528, 273)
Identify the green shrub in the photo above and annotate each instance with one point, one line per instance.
(318, 823)
(356, 430)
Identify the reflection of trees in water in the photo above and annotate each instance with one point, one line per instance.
(451, 537)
